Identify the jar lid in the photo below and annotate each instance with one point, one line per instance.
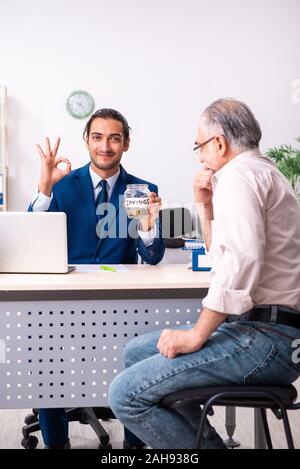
(138, 186)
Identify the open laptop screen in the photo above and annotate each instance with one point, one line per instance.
(33, 242)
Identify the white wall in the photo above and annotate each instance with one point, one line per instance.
(160, 62)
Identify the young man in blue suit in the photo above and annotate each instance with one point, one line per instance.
(77, 193)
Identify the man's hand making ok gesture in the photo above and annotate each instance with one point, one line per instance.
(50, 173)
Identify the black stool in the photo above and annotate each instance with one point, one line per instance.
(277, 398)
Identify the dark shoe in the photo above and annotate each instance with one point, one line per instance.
(67, 445)
(128, 445)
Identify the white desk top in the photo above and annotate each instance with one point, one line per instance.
(164, 276)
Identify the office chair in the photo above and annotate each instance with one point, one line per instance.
(175, 223)
(277, 398)
(84, 415)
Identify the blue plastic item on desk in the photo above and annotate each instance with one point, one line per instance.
(200, 261)
(191, 244)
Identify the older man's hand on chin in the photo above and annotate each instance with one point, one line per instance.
(202, 185)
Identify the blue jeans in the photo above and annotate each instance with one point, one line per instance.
(242, 352)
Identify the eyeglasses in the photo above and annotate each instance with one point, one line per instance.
(197, 148)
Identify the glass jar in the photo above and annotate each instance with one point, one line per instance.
(136, 200)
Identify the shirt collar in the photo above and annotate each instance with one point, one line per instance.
(96, 179)
(255, 152)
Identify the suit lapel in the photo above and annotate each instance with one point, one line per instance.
(86, 191)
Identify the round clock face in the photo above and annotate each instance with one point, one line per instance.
(80, 104)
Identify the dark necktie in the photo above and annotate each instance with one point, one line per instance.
(102, 197)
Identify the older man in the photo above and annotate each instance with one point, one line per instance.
(251, 221)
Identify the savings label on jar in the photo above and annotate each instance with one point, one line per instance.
(136, 200)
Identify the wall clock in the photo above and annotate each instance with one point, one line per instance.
(80, 104)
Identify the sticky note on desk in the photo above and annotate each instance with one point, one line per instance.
(106, 267)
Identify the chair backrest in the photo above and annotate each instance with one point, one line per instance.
(176, 223)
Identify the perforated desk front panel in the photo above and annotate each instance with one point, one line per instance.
(65, 353)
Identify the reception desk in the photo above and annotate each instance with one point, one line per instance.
(62, 335)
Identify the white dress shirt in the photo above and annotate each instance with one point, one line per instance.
(41, 202)
(255, 248)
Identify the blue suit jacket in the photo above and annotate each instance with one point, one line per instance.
(74, 195)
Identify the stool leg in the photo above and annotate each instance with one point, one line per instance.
(230, 425)
(259, 434)
(263, 414)
(204, 414)
(287, 429)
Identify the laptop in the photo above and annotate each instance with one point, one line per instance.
(33, 242)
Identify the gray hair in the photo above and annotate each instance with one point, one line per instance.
(235, 121)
